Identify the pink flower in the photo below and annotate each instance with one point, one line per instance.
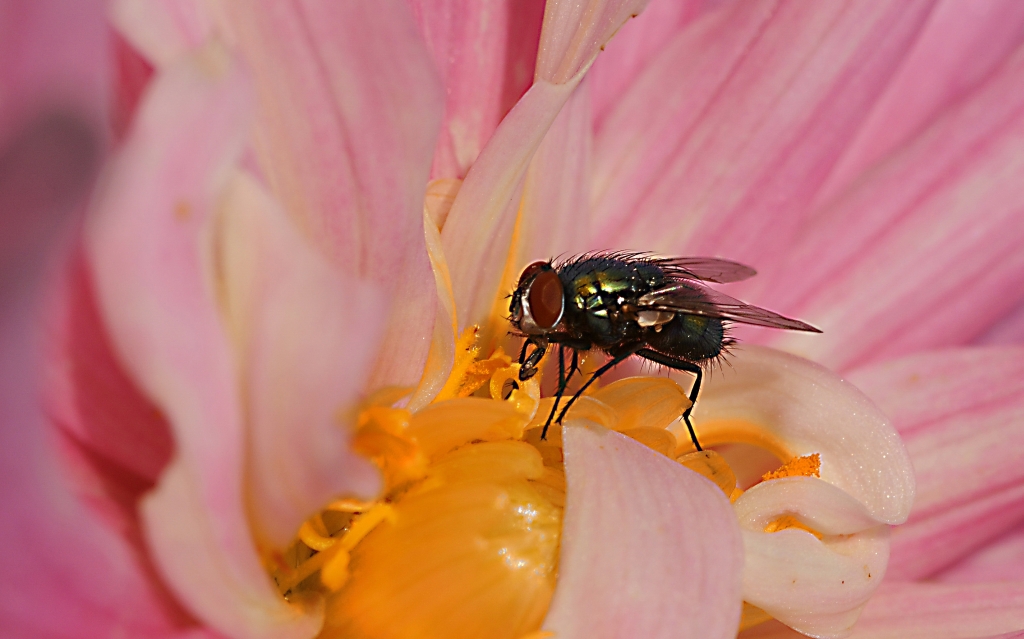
(202, 353)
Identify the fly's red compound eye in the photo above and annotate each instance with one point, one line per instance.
(530, 271)
(546, 299)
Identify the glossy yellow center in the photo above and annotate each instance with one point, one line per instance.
(464, 541)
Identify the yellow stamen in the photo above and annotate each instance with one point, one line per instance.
(464, 540)
(806, 466)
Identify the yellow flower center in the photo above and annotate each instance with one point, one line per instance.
(464, 541)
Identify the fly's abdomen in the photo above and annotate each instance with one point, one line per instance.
(694, 338)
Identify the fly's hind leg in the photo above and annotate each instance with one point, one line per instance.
(685, 366)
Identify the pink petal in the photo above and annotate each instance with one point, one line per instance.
(574, 32)
(817, 586)
(308, 335)
(118, 441)
(809, 409)
(441, 358)
(485, 53)
(931, 611)
(649, 548)
(959, 47)
(1008, 330)
(479, 230)
(739, 118)
(999, 560)
(66, 572)
(938, 611)
(636, 44)
(903, 261)
(146, 244)
(162, 30)
(959, 412)
(554, 210)
(349, 109)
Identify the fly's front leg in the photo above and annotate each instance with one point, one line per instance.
(528, 363)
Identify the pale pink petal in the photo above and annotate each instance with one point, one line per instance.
(574, 32)
(485, 53)
(805, 408)
(726, 137)
(479, 231)
(349, 109)
(962, 43)
(437, 204)
(307, 335)
(817, 586)
(636, 44)
(555, 206)
(649, 548)
(999, 560)
(959, 412)
(925, 251)
(66, 571)
(162, 30)
(147, 244)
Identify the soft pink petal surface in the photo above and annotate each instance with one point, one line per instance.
(349, 110)
(649, 548)
(639, 41)
(67, 572)
(930, 611)
(959, 412)
(722, 142)
(306, 336)
(809, 409)
(147, 246)
(485, 53)
(1000, 560)
(925, 250)
(960, 45)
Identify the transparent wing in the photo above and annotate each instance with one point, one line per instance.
(708, 269)
(693, 298)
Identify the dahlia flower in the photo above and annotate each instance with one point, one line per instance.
(260, 390)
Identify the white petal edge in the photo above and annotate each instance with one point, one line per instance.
(808, 409)
(816, 586)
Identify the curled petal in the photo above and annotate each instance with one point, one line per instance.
(817, 586)
(479, 230)
(307, 335)
(162, 30)
(574, 33)
(348, 114)
(799, 408)
(650, 548)
(485, 53)
(959, 411)
(147, 246)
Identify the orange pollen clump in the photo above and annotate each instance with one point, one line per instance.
(464, 540)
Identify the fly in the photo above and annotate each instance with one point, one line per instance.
(626, 304)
